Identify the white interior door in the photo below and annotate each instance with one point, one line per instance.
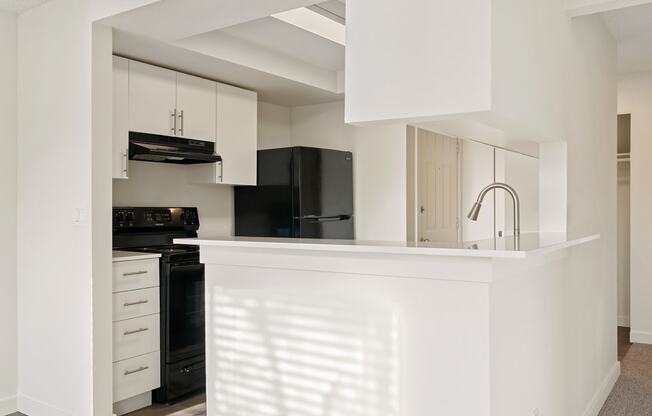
(437, 184)
(196, 104)
(152, 99)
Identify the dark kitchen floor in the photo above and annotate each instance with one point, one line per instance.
(194, 406)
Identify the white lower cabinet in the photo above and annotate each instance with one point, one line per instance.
(135, 337)
(135, 274)
(136, 333)
(136, 375)
(134, 303)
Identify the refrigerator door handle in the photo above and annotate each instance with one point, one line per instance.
(314, 218)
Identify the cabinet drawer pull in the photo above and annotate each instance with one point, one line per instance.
(134, 273)
(138, 370)
(181, 123)
(136, 331)
(139, 302)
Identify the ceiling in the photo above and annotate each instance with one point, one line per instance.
(287, 63)
(271, 88)
(632, 29)
(18, 6)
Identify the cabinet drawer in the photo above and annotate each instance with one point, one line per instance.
(135, 274)
(135, 303)
(136, 337)
(136, 375)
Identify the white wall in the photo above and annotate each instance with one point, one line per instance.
(590, 358)
(273, 126)
(158, 184)
(409, 65)
(586, 54)
(522, 173)
(8, 293)
(379, 158)
(379, 166)
(56, 327)
(635, 97)
(477, 172)
(499, 68)
(54, 251)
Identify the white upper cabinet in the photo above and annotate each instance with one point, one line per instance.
(152, 99)
(196, 102)
(237, 132)
(120, 117)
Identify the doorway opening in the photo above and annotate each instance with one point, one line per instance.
(445, 175)
(623, 163)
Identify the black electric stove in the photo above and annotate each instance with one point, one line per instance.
(152, 230)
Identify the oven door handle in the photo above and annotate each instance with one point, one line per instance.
(193, 367)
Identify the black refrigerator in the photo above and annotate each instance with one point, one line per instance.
(302, 192)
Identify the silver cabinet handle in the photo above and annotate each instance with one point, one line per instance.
(125, 159)
(138, 370)
(181, 123)
(173, 114)
(134, 273)
(136, 331)
(221, 175)
(139, 302)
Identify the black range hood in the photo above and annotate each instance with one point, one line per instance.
(165, 149)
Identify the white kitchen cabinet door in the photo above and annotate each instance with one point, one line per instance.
(196, 102)
(152, 99)
(120, 117)
(237, 130)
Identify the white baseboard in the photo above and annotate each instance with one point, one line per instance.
(600, 396)
(33, 407)
(623, 321)
(640, 337)
(8, 405)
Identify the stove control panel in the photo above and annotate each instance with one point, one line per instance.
(141, 217)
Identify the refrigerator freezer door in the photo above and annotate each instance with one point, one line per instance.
(323, 182)
(338, 227)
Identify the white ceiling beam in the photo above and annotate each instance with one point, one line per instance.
(246, 54)
(576, 8)
(172, 20)
(314, 22)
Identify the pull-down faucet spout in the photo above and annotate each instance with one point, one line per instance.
(475, 210)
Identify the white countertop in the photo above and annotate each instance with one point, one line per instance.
(119, 255)
(530, 244)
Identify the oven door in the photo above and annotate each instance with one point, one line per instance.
(183, 291)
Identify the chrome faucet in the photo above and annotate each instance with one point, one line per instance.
(475, 210)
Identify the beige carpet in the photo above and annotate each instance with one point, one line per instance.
(632, 395)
